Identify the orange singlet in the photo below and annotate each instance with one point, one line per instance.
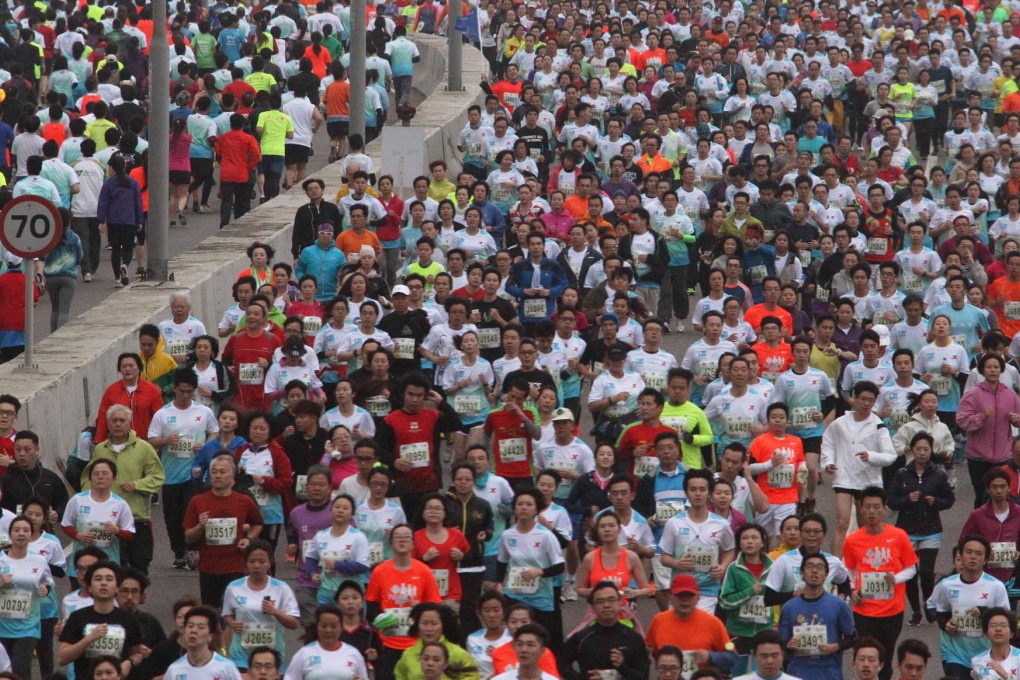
(620, 574)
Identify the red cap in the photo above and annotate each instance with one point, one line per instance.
(684, 583)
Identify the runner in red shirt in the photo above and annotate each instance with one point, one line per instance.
(512, 428)
(250, 353)
(409, 440)
(441, 548)
(635, 449)
(221, 522)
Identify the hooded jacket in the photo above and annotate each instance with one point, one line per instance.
(989, 439)
(845, 438)
(983, 522)
(939, 431)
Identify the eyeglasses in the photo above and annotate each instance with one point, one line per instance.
(10, 413)
(605, 600)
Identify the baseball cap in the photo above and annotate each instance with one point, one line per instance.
(13, 260)
(883, 334)
(400, 290)
(684, 584)
(616, 354)
(563, 414)
(294, 347)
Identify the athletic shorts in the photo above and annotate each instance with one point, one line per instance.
(296, 153)
(812, 444)
(663, 575)
(707, 603)
(933, 542)
(856, 493)
(772, 519)
(272, 164)
(180, 177)
(338, 128)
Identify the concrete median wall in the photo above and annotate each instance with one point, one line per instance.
(78, 362)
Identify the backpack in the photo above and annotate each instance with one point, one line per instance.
(428, 17)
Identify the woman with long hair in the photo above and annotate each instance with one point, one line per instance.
(433, 623)
(121, 215)
(47, 546)
(611, 561)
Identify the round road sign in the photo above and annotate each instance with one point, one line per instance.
(30, 226)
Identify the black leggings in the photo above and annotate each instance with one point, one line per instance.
(122, 244)
(924, 128)
(925, 576)
(202, 172)
(681, 302)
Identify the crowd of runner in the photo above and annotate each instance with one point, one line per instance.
(455, 407)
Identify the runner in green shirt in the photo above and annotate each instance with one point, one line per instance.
(274, 127)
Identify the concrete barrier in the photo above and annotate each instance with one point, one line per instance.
(78, 362)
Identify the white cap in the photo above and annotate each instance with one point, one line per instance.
(13, 260)
(400, 290)
(883, 334)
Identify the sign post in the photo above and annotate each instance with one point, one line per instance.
(30, 227)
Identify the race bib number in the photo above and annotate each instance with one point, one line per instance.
(15, 603)
(376, 552)
(110, 644)
(822, 294)
(899, 418)
(657, 381)
(301, 487)
(378, 406)
(511, 99)
(488, 338)
(1012, 310)
(416, 454)
(875, 587)
(644, 465)
(442, 581)
(310, 325)
(516, 583)
(667, 510)
(501, 195)
(755, 611)
(175, 347)
(184, 448)
(708, 369)
(942, 385)
(781, 477)
(811, 638)
(878, 246)
(403, 348)
(513, 450)
(250, 374)
(221, 531)
(704, 558)
(467, 404)
(403, 616)
(101, 538)
(534, 308)
(1003, 555)
(260, 495)
(803, 416)
(967, 625)
(258, 635)
(690, 665)
(912, 282)
(739, 426)
(678, 423)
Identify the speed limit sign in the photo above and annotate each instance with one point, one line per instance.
(30, 226)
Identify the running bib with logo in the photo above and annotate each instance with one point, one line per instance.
(403, 348)
(967, 625)
(1012, 310)
(376, 552)
(416, 454)
(875, 587)
(803, 416)
(657, 381)
(260, 495)
(811, 638)
(501, 194)
(403, 616)
(704, 558)
(110, 644)
(467, 404)
(250, 374)
(177, 347)
(739, 426)
(101, 538)
(301, 487)
(1003, 555)
(644, 465)
(15, 603)
(513, 450)
(690, 665)
(258, 635)
(534, 308)
(488, 338)
(310, 325)
(378, 406)
(941, 384)
(781, 477)
(516, 583)
(878, 246)
(912, 282)
(755, 611)
(221, 531)
(667, 510)
(184, 448)
(899, 418)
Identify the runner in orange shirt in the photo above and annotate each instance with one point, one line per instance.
(776, 459)
(774, 355)
(1004, 296)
